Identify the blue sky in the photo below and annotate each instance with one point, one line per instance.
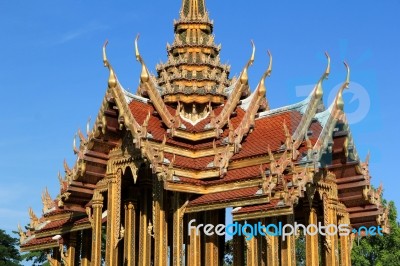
(52, 78)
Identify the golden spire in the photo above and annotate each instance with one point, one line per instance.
(319, 91)
(193, 9)
(112, 80)
(244, 78)
(144, 76)
(339, 99)
(267, 73)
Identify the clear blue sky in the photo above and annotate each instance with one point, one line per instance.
(52, 78)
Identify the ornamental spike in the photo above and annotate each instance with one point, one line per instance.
(105, 60)
(319, 91)
(112, 80)
(367, 158)
(66, 167)
(244, 77)
(81, 136)
(266, 74)
(137, 53)
(88, 127)
(339, 99)
(74, 145)
(144, 76)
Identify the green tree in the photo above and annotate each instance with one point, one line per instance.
(38, 258)
(9, 254)
(379, 250)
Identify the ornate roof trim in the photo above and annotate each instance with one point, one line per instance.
(150, 87)
(234, 97)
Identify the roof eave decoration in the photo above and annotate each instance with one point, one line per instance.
(336, 114)
(234, 98)
(312, 108)
(139, 132)
(257, 100)
(149, 86)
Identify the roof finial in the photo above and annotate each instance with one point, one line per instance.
(266, 74)
(319, 91)
(144, 76)
(112, 80)
(339, 99)
(244, 77)
(367, 158)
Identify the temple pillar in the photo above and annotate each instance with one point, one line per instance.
(178, 230)
(312, 257)
(86, 247)
(288, 249)
(251, 249)
(144, 234)
(71, 248)
(96, 222)
(238, 250)
(160, 225)
(194, 245)
(113, 218)
(78, 247)
(331, 242)
(211, 243)
(272, 246)
(345, 247)
(55, 258)
(130, 232)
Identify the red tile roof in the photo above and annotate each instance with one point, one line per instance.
(268, 131)
(262, 207)
(185, 162)
(39, 241)
(225, 196)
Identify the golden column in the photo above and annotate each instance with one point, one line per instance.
(273, 246)
(252, 259)
(178, 230)
(331, 242)
(113, 217)
(70, 258)
(130, 232)
(86, 247)
(194, 245)
(211, 244)
(345, 247)
(288, 245)
(312, 257)
(160, 225)
(96, 222)
(55, 258)
(238, 250)
(144, 234)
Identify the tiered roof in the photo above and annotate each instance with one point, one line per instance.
(240, 153)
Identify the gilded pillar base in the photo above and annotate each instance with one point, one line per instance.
(288, 250)
(178, 253)
(312, 256)
(212, 242)
(272, 247)
(130, 232)
(96, 222)
(194, 245)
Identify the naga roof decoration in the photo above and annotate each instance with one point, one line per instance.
(203, 134)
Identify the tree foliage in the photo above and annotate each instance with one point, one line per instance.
(379, 250)
(38, 258)
(9, 254)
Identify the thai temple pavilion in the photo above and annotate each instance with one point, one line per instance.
(193, 142)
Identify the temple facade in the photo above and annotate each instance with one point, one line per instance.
(193, 142)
